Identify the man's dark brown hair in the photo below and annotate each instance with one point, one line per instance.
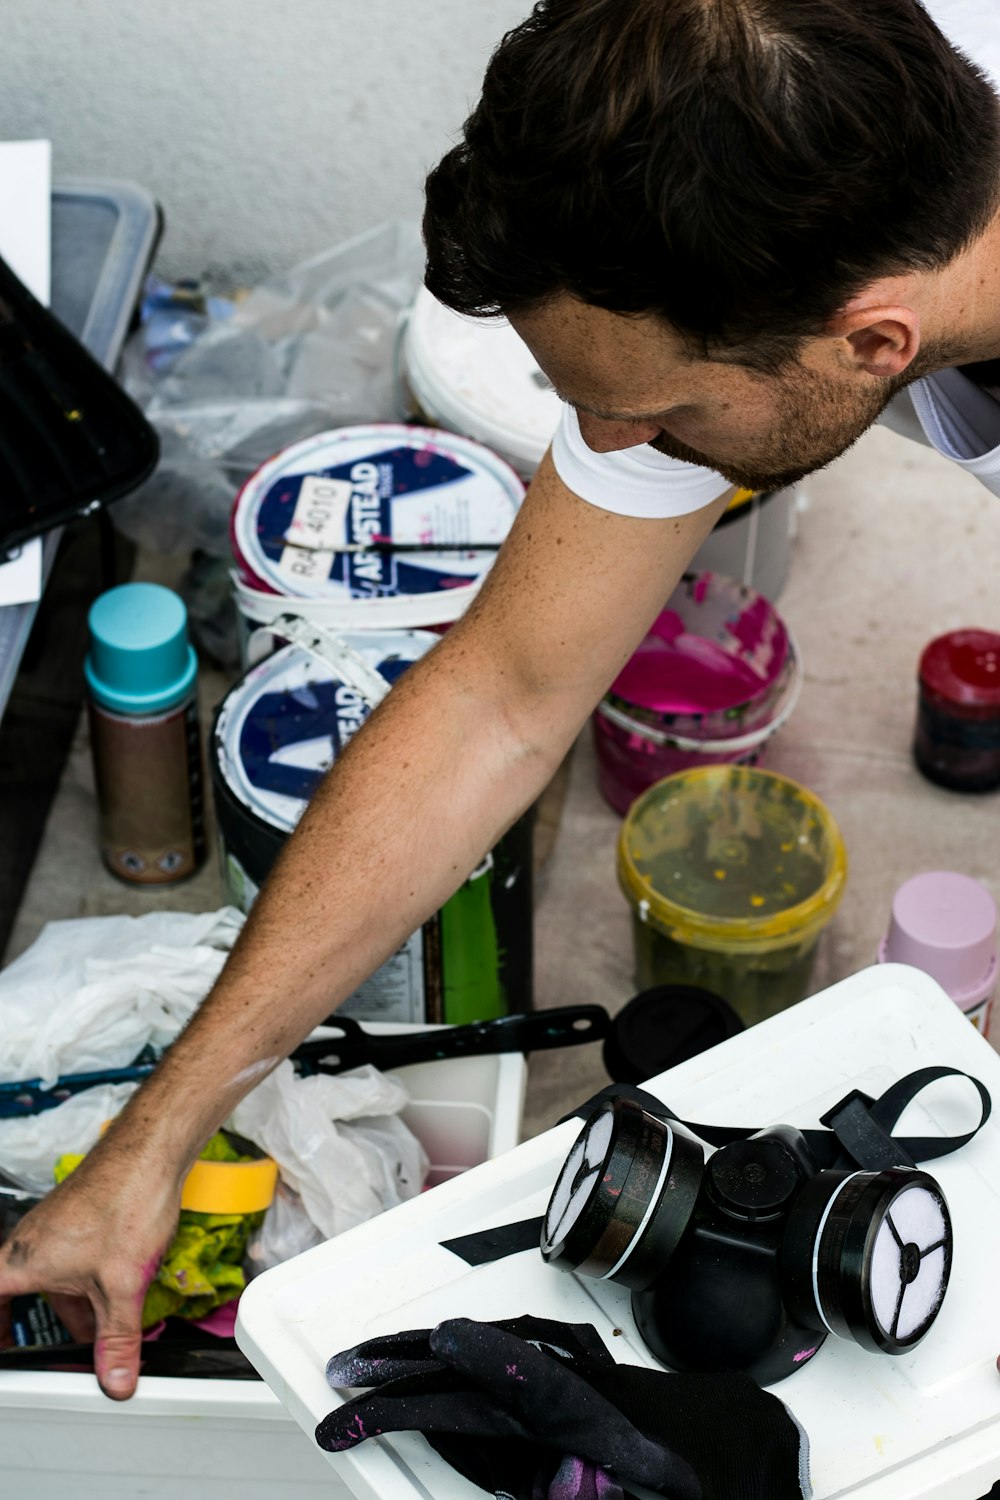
(739, 167)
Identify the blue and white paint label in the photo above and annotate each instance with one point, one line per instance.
(315, 520)
(279, 730)
(395, 992)
(284, 725)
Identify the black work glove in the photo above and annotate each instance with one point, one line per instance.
(538, 1410)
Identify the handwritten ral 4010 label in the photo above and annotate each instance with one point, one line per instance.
(320, 519)
(305, 564)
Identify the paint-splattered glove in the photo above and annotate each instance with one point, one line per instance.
(538, 1410)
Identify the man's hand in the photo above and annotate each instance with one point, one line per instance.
(94, 1245)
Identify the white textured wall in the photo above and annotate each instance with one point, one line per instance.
(267, 129)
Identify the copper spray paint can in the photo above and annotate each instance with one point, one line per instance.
(141, 673)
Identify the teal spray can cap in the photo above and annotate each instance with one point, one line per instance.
(140, 660)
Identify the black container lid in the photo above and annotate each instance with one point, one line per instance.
(665, 1026)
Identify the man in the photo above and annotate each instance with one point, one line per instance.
(732, 232)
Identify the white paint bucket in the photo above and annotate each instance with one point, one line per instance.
(477, 377)
(337, 528)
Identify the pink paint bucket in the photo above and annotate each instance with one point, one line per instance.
(717, 676)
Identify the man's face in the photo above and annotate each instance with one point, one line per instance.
(632, 380)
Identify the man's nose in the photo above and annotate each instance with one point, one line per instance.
(604, 436)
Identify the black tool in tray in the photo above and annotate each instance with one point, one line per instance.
(350, 1046)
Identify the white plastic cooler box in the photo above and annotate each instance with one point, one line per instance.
(926, 1424)
(231, 1439)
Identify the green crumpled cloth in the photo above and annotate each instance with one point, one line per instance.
(203, 1267)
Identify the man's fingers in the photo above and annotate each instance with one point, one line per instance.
(116, 1351)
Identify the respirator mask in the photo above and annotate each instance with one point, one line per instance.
(749, 1259)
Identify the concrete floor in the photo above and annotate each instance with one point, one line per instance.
(894, 546)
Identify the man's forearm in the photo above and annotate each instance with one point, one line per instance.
(429, 784)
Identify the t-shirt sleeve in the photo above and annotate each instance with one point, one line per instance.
(632, 481)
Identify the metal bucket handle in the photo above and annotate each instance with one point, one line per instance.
(328, 647)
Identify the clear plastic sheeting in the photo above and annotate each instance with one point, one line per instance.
(312, 349)
(31, 1146)
(337, 1141)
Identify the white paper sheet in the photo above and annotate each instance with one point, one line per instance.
(26, 212)
(21, 578)
(25, 244)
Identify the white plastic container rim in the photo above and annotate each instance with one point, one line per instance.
(749, 741)
(403, 612)
(477, 377)
(219, 1408)
(926, 1424)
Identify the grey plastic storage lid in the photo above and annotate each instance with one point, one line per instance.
(103, 237)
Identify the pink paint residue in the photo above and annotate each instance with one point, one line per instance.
(804, 1354)
(221, 1322)
(718, 646)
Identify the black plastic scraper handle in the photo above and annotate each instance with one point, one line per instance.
(538, 1031)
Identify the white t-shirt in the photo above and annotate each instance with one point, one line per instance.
(948, 410)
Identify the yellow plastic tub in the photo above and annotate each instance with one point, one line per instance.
(732, 873)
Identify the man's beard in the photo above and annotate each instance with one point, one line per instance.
(816, 420)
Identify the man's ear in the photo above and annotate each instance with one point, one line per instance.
(881, 340)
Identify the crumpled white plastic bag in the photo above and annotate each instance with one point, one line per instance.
(92, 993)
(338, 1142)
(287, 1231)
(31, 1146)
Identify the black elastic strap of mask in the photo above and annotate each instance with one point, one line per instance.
(859, 1128)
(859, 1133)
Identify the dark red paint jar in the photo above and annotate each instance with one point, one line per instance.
(957, 741)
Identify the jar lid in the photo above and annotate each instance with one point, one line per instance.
(945, 923)
(963, 668)
(664, 1026)
(733, 859)
(140, 660)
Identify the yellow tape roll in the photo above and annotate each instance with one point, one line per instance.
(230, 1187)
(227, 1187)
